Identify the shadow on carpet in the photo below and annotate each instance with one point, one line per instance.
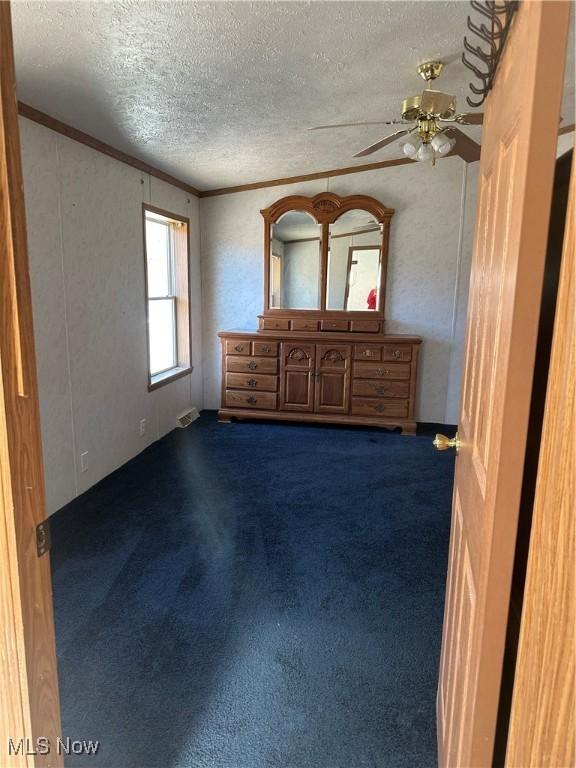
(256, 596)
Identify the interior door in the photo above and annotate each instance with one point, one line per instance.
(515, 185)
(332, 387)
(543, 718)
(29, 706)
(297, 376)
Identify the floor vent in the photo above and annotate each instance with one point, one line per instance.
(186, 418)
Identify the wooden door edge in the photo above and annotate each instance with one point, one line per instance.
(29, 683)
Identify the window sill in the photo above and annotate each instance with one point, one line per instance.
(161, 379)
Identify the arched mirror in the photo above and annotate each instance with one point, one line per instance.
(354, 280)
(325, 263)
(295, 262)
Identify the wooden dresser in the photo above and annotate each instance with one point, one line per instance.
(321, 353)
(324, 377)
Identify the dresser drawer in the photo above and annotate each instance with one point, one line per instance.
(270, 324)
(370, 388)
(237, 364)
(364, 406)
(367, 352)
(334, 325)
(258, 400)
(237, 347)
(265, 348)
(304, 325)
(381, 370)
(365, 326)
(396, 352)
(254, 381)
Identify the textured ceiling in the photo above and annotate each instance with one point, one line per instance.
(221, 93)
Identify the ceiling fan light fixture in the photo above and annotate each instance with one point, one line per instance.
(411, 145)
(425, 153)
(448, 147)
(441, 144)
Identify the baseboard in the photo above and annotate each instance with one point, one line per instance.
(426, 428)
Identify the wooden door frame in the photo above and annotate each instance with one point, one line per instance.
(29, 702)
(351, 250)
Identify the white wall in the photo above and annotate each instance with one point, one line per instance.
(429, 262)
(84, 213)
(301, 275)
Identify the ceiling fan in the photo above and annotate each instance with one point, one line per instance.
(430, 119)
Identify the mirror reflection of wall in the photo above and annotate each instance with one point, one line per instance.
(354, 262)
(296, 246)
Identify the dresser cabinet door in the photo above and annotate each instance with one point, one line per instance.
(332, 388)
(297, 367)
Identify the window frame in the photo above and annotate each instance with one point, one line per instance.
(180, 296)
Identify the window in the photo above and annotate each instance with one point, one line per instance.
(167, 295)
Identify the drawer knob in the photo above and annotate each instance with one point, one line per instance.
(396, 354)
(381, 390)
(265, 349)
(380, 408)
(382, 371)
(239, 348)
(252, 365)
(251, 400)
(368, 353)
(252, 382)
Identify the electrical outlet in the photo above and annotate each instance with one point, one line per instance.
(84, 461)
(142, 427)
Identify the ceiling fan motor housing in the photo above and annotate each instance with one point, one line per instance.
(411, 108)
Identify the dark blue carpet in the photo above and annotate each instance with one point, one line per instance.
(256, 596)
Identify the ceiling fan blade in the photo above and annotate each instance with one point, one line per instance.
(382, 143)
(466, 148)
(437, 103)
(470, 118)
(352, 125)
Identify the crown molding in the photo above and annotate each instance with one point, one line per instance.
(25, 110)
(306, 177)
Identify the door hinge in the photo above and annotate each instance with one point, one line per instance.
(43, 538)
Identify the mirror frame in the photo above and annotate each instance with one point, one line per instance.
(326, 208)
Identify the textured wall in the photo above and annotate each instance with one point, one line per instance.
(87, 273)
(429, 260)
(301, 275)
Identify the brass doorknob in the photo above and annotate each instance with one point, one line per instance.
(442, 443)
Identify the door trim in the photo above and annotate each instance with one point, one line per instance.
(28, 677)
